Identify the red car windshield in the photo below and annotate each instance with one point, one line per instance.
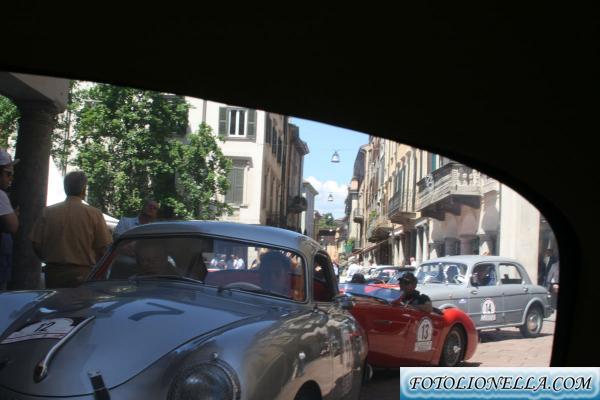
(361, 289)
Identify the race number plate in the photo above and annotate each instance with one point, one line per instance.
(55, 328)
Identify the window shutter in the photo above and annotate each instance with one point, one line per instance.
(238, 196)
(229, 194)
(251, 125)
(235, 194)
(274, 141)
(222, 121)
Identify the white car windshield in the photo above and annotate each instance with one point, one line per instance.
(442, 272)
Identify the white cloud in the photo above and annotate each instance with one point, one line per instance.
(315, 183)
(339, 192)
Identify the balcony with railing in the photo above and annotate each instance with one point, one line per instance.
(297, 204)
(401, 208)
(489, 184)
(447, 189)
(357, 215)
(379, 229)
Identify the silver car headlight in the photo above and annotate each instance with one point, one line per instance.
(206, 381)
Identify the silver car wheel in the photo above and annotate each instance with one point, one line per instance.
(533, 322)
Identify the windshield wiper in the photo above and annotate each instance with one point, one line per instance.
(163, 277)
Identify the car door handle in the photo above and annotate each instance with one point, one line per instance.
(383, 321)
(526, 289)
(474, 291)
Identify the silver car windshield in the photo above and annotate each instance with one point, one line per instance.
(442, 272)
(223, 263)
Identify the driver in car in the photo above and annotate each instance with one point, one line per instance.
(411, 296)
(275, 273)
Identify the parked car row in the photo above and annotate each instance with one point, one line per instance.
(153, 322)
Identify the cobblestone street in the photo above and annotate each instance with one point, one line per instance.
(502, 348)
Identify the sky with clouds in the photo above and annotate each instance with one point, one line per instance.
(327, 177)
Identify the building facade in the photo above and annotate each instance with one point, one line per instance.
(413, 205)
(267, 162)
(307, 223)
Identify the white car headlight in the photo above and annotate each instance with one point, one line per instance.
(206, 381)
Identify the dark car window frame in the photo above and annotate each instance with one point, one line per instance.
(484, 263)
(328, 271)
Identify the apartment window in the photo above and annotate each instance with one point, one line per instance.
(274, 142)
(235, 193)
(268, 129)
(433, 162)
(421, 173)
(279, 149)
(264, 189)
(237, 122)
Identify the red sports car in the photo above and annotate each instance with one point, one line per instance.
(402, 335)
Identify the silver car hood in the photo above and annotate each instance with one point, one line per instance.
(134, 325)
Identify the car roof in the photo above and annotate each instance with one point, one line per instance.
(471, 259)
(245, 232)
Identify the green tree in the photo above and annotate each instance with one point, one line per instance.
(327, 221)
(9, 116)
(132, 144)
(62, 140)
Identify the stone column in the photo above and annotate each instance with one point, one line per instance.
(450, 246)
(30, 185)
(437, 249)
(419, 252)
(486, 244)
(466, 244)
(401, 247)
(426, 243)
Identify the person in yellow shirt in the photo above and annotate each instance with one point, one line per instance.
(70, 237)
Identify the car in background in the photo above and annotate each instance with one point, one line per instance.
(389, 274)
(495, 292)
(402, 335)
(152, 322)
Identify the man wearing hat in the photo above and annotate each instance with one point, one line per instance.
(410, 296)
(9, 223)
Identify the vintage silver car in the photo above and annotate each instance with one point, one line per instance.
(153, 321)
(494, 291)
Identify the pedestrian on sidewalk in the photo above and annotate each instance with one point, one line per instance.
(148, 213)
(9, 222)
(70, 237)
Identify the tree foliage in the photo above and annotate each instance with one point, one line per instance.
(9, 116)
(132, 144)
(327, 221)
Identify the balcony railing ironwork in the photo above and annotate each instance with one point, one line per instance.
(447, 188)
